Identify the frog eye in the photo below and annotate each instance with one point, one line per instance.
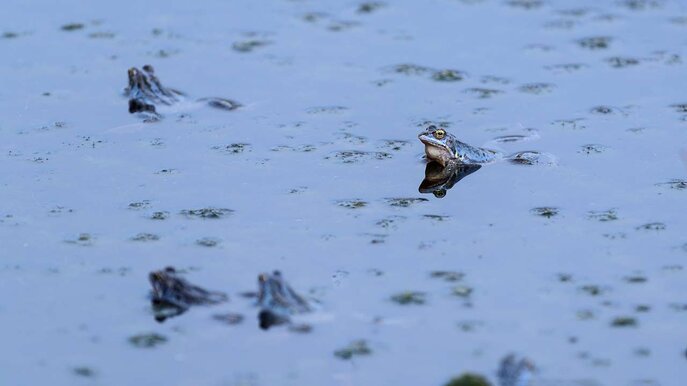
(439, 134)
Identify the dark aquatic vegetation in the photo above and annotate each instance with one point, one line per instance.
(173, 295)
(624, 321)
(482, 93)
(355, 156)
(449, 276)
(147, 340)
(515, 371)
(675, 184)
(229, 318)
(593, 289)
(208, 242)
(145, 237)
(409, 297)
(370, 6)
(249, 45)
(604, 110)
(448, 75)
(161, 215)
(536, 88)
(439, 179)
(207, 213)
(355, 348)
(603, 216)
(595, 42)
(84, 371)
(234, 148)
(404, 202)
(652, 226)
(545, 211)
(566, 67)
(525, 4)
(278, 301)
(622, 62)
(146, 93)
(352, 204)
(72, 27)
(592, 148)
(410, 69)
(640, 5)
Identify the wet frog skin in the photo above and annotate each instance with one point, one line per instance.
(173, 295)
(146, 93)
(277, 300)
(443, 147)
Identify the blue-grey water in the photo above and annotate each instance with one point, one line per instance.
(591, 288)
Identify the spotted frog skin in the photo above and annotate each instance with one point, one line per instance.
(443, 147)
(277, 300)
(146, 93)
(173, 295)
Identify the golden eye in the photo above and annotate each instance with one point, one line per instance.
(439, 134)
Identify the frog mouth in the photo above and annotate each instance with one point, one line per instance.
(435, 149)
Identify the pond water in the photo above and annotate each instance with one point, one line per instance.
(577, 264)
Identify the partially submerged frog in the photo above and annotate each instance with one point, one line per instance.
(146, 93)
(439, 179)
(443, 147)
(278, 301)
(173, 295)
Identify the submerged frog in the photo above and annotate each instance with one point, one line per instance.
(445, 148)
(439, 179)
(277, 300)
(173, 295)
(145, 92)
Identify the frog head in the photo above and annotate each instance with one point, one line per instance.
(440, 146)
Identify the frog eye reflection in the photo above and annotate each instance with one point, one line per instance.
(439, 134)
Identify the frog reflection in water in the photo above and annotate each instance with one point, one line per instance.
(515, 371)
(439, 179)
(145, 92)
(444, 148)
(173, 295)
(277, 300)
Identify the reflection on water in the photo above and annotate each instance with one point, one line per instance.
(438, 179)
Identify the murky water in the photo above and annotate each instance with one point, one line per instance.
(577, 264)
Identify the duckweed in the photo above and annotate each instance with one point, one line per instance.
(624, 321)
(545, 211)
(207, 213)
(147, 340)
(409, 297)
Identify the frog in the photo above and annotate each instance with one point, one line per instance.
(146, 94)
(172, 295)
(444, 148)
(439, 179)
(278, 301)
